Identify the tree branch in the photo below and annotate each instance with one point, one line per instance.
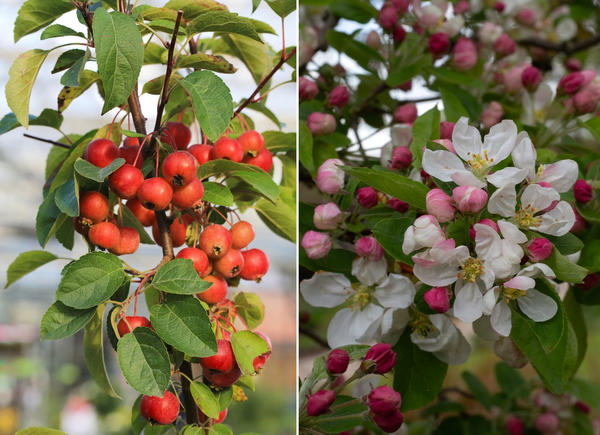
(135, 109)
(58, 144)
(313, 336)
(191, 410)
(565, 47)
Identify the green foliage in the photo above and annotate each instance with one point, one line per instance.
(37, 14)
(250, 308)
(61, 321)
(178, 276)
(27, 262)
(247, 346)
(205, 399)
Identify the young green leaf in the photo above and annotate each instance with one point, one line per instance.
(48, 118)
(250, 308)
(282, 7)
(37, 14)
(46, 219)
(61, 321)
(280, 216)
(93, 172)
(247, 346)
(260, 182)
(25, 263)
(222, 21)
(223, 167)
(205, 399)
(206, 61)
(58, 30)
(218, 194)
(390, 235)
(192, 8)
(178, 276)
(565, 270)
(252, 53)
(67, 198)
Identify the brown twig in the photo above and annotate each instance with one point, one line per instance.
(191, 410)
(53, 142)
(135, 109)
(565, 47)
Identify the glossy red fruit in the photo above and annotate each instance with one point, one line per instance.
(177, 229)
(131, 141)
(220, 419)
(256, 264)
(252, 142)
(143, 214)
(261, 359)
(104, 234)
(101, 152)
(216, 292)
(162, 410)
(177, 134)
(223, 379)
(179, 168)
(264, 160)
(198, 257)
(129, 241)
(215, 240)
(134, 322)
(202, 152)
(155, 193)
(242, 234)
(129, 153)
(188, 196)
(94, 206)
(223, 360)
(230, 265)
(227, 148)
(126, 181)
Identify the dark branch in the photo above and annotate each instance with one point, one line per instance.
(364, 103)
(191, 410)
(313, 336)
(135, 109)
(58, 144)
(565, 47)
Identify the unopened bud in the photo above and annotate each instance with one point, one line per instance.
(380, 358)
(321, 124)
(384, 400)
(401, 157)
(406, 113)
(582, 191)
(437, 299)
(339, 96)
(367, 246)
(337, 361)
(307, 89)
(315, 244)
(367, 197)
(319, 402)
(440, 205)
(540, 249)
(327, 216)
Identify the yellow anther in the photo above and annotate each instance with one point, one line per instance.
(471, 269)
(421, 324)
(510, 294)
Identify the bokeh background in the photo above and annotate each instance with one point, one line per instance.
(46, 383)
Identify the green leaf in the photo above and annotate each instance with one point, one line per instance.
(27, 262)
(305, 143)
(390, 235)
(144, 361)
(206, 61)
(48, 118)
(458, 102)
(567, 244)
(282, 7)
(150, 13)
(585, 391)
(67, 94)
(37, 430)
(590, 256)
(342, 417)
(276, 141)
(66, 170)
(217, 194)
(67, 198)
(37, 14)
(220, 429)
(205, 399)
(46, 219)
(93, 172)
(252, 53)
(593, 125)
(576, 318)
(510, 380)
(404, 72)
(478, 389)
(425, 129)
(61, 321)
(192, 8)
(67, 59)
(360, 11)
(262, 27)
(222, 21)
(356, 50)
(246, 346)
(21, 77)
(224, 396)
(261, 182)
(178, 276)
(73, 74)
(183, 323)
(58, 30)
(90, 280)
(224, 167)
(393, 184)
(418, 375)
(119, 53)
(93, 352)
(564, 269)
(280, 216)
(212, 102)
(250, 308)
(129, 220)
(260, 107)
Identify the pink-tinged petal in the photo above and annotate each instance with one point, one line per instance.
(538, 197)
(501, 319)
(500, 141)
(520, 282)
(503, 201)
(468, 301)
(560, 175)
(466, 178)
(538, 269)
(537, 306)
(441, 164)
(558, 221)
(466, 139)
(510, 175)
(423, 260)
(487, 242)
(446, 245)
(395, 291)
(326, 289)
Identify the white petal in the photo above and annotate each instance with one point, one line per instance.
(537, 269)
(392, 325)
(500, 141)
(468, 302)
(363, 386)
(503, 201)
(537, 306)
(466, 139)
(365, 327)
(487, 242)
(408, 244)
(438, 275)
(385, 158)
(511, 251)
(511, 232)
(524, 154)
(456, 351)
(395, 291)
(560, 175)
(483, 328)
(502, 267)
(369, 272)
(487, 278)
(538, 197)
(467, 178)
(490, 299)
(441, 164)
(438, 338)
(520, 282)
(558, 221)
(501, 319)
(510, 175)
(326, 289)
(401, 135)
(339, 327)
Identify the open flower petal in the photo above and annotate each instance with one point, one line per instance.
(500, 141)
(538, 197)
(468, 302)
(441, 164)
(395, 291)
(326, 289)
(501, 319)
(537, 306)
(503, 201)
(353, 326)
(560, 175)
(511, 232)
(524, 154)
(369, 272)
(466, 139)
(510, 175)
(558, 221)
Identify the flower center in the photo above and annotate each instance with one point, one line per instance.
(471, 269)
(421, 324)
(361, 296)
(539, 115)
(526, 218)
(480, 163)
(510, 294)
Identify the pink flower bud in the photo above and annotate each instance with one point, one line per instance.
(315, 244)
(384, 400)
(446, 144)
(571, 83)
(398, 205)
(440, 205)
(373, 40)
(573, 64)
(380, 358)
(582, 191)
(513, 78)
(446, 129)
(588, 76)
(330, 178)
(492, 114)
(539, 249)
(464, 55)
(388, 16)
(469, 199)
(367, 197)
(583, 407)
(327, 216)
(406, 113)
(389, 422)
(406, 86)
(339, 70)
(515, 426)
(367, 246)
(504, 45)
(401, 157)
(400, 5)
(319, 402)
(337, 361)
(398, 34)
(547, 422)
(589, 282)
(587, 99)
(439, 43)
(526, 17)
(339, 96)
(307, 89)
(461, 7)
(321, 124)
(580, 222)
(499, 6)
(490, 223)
(531, 78)
(437, 299)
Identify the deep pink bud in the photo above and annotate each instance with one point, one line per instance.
(583, 191)
(504, 45)
(437, 298)
(539, 249)
(490, 223)
(439, 43)
(464, 55)
(583, 407)
(401, 157)
(330, 178)
(398, 205)
(367, 246)
(573, 64)
(384, 400)
(315, 244)
(446, 129)
(339, 96)
(586, 100)
(381, 357)
(307, 89)
(388, 16)
(400, 5)
(367, 197)
(547, 422)
(398, 34)
(589, 282)
(526, 17)
(440, 205)
(327, 216)
(469, 199)
(492, 114)
(337, 361)
(580, 222)
(406, 86)
(571, 83)
(319, 402)
(531, 78)
(390, 422)
(499, 6)
(373, 40)
(461, 7)
(515, 426)
(513, 78)
(320, 124)
(406, 113)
